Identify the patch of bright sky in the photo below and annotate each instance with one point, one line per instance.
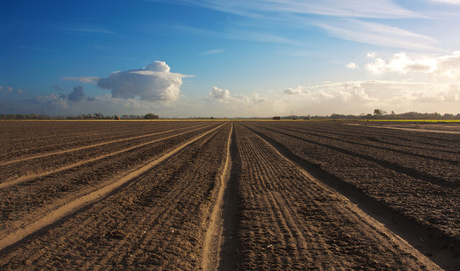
(243, 46)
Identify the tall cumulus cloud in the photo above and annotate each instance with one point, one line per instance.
(152, 83)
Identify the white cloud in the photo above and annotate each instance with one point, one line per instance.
(1, 88)
(351, 65)
(152, 83)
(235, 100)
(220, 94)
(372, 55)
(84, 79)
(20, 91)
(212, 52)
(10, 89)
(444, 66)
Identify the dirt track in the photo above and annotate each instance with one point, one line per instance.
(190, 198)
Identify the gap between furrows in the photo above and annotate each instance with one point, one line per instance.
(220, 244)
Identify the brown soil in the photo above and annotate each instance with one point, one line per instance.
(412, 175)
(215, 195)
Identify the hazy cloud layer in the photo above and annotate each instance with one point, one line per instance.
(61, 101)
(84, 79)
(152, 83)
(444, 66)
(257, 99)
(355, 96)
(294, 91)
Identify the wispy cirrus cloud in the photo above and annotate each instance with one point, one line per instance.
(349, 20)
(377, 34)
(212, 52)
(350, 8)
(447, 1)
(238, 34)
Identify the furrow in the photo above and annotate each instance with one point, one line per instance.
(86, 147)
(29, 177)
(321, 228)
(77, 204)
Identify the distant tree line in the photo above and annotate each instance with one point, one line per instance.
(79, 117)
(378, 114)
(381, 114)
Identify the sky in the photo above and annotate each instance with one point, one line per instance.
(229, 58)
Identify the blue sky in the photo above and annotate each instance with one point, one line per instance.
(237, 58)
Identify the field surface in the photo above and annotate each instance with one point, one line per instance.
(228, 195)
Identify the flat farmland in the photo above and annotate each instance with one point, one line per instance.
(227, 195)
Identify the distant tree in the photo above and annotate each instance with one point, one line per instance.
(151, 116)
(378, 112)
(448, 116)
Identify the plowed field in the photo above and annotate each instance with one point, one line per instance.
(172, 195)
